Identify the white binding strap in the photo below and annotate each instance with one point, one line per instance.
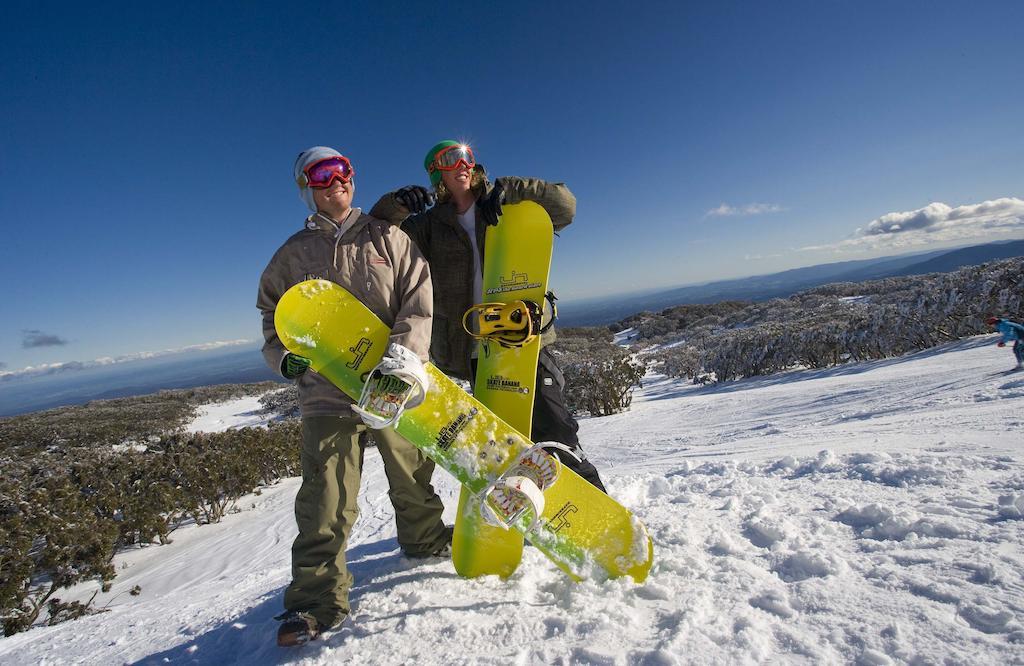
(372, 420)
(375, 421)
(562, 447)
(508, 493)
(401, 362)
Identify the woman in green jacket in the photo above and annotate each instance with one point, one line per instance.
(450, 234)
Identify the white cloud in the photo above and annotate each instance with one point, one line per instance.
(938, 217)
(935, 224)
(725, 210)
(71, 366)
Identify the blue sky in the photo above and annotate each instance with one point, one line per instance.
(145, 150)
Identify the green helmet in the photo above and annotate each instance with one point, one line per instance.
(435, 175)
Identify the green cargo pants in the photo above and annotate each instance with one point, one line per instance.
(326, 509)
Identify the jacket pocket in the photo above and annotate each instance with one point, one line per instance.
(380, 276)
(549, 366)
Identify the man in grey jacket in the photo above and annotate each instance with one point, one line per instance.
(382, 267)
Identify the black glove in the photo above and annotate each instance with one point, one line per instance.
(415, 197)
(293, 365)
(490, 205)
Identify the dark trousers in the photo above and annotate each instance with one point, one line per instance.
(1018, 350)
(552, 420)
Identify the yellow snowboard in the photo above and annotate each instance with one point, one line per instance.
(582, 530)
(517, 259)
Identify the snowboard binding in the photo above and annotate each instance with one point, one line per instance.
(512, 324)
(397, 383)
(520, 488)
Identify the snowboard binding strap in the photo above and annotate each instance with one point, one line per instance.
(393, 386)
(512, 324)
(550, 297)
(520, 488)
(383, 400)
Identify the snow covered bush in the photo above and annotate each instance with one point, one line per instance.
(69, 502)
(214, 470)
(117, 421)
(599, 376)
(284, 402)
(51, 539)
(837, 323)
(654, 327)
(683, 360)
(133, 490)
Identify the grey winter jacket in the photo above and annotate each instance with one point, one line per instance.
(449, 252)
(374, 261)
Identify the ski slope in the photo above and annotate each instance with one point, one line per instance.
(867, 514)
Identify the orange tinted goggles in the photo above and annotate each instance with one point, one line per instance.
(451, 157)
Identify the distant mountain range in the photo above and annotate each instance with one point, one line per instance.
(594, 312)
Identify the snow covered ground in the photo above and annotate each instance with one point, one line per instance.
(238, 413)
(865, 514)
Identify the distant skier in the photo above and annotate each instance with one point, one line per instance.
(451, 236)
(383, 269)
(1011, 330)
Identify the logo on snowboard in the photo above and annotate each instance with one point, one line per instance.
(447, 435)
(360, 350)
(518, 282)
(561, 519)
(500, 383)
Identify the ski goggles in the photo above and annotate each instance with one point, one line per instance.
(321, 174)
(451, 157)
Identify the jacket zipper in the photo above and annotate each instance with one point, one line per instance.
(472, 260)
(366, 261)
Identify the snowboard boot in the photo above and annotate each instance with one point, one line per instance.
(298, 628)
(444, 551)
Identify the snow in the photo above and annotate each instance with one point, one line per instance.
(625, 336)
(652, 349)
(221, 416)
(869, 514)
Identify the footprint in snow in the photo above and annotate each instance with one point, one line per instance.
(802, 565)
(764, 533)
(1011, 507)
(987, 619)
(773, 602)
